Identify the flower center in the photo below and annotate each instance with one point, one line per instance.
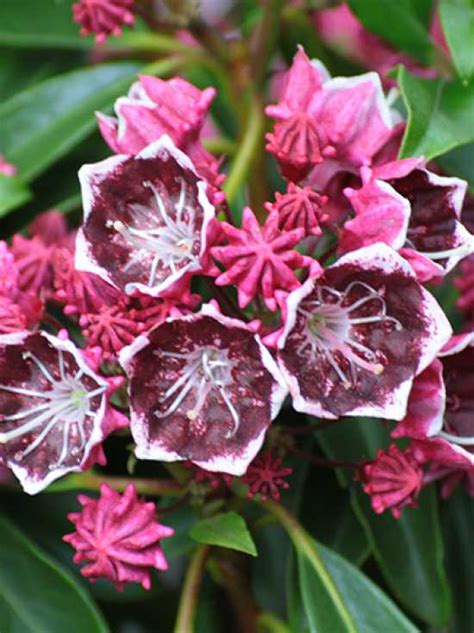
(68, 402)
(333, 329)
(207, 369)
(169, 237)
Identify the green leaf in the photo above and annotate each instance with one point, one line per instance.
(403, 23)
(13, 193)
(371, 610)
(41, 124)
(460, 162)
(38, 596)
(409, 551)
(457, 18)
(458, 519)
(226, 530)
(439, 115)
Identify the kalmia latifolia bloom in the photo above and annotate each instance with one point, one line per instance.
(299, 207)
(412, 210)
(103, 17)
(344, 120)
(356, 336)
(393, 480)
(266, 476)
(145, 219)
(119, 537)
(440, 415)
(202, 388)
(54, 410)
(260, 259)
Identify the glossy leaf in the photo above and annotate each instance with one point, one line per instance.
(458, 519)
(38, 596)
(457, 18)
(460, 162)
(409, 551)
(41, 124)
(371, 610)
(226, 530)
(439, 115)
(13, 193)
(404, 23)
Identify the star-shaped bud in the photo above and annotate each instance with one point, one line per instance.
(202, 388)
(299, 207)
(356, 336)
(393, 480)
(54, 410)
(440, 415)
(260, 259)
(266, 476)
(119, 537)
(145, 219)
(103, 17)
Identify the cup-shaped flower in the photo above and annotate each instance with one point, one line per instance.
(119, 536)
(54, 410)
(440, 415)
(355, 337)
(145, 219)
(202, 388)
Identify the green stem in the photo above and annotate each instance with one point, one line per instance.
(247, 149)
(269, 622)
(189, 595)
(264, 39)
(305, 545)
(93, 481)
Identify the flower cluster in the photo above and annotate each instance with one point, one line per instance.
(332, 311)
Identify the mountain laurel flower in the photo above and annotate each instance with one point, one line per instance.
(103, 17)
(412, 210)
(341, 120)
(145, 219)
(266, 476)
(440, 415)
(54, 410)
(9, 274)
(393, 480)
(260, 259)
(299, 207)
(356, 336)
(12, 318)
(154, 107)
(119, 536)
(464, 282)
(202, 388)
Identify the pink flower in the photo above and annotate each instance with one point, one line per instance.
(393, 480)
(413, 211)
(266, 476)
(119, 536)
(54, 410)
(145, 219)
(103, 17)
(260, 259)
(346, 120)
(440, 415)
(154, 107)
(356, 336)
(80, 292)
(202, 388)
(299, 207)
(12, 318)
(34, 255)
(6, 168)
(8, 272)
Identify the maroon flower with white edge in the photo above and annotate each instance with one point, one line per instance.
(202, 388)
(299, 207)
(440, 415)
(414, 211)
(119, 536)
(103, 17)
(260, 259)
(355, 337)
(145, 219)
(54, 410)
(393, 480)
